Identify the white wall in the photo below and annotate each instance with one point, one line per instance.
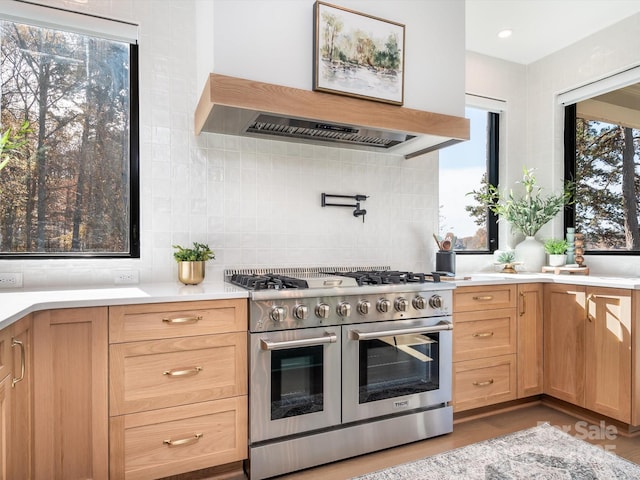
(536, 139)
(256, 202)
(272, 41)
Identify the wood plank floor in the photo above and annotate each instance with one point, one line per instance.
(473, 431)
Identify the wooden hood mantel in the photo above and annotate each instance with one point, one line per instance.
(235, 106)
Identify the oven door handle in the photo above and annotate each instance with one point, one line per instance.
(358, 335)
(305, 342)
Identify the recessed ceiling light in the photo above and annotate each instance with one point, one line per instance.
(506, 33)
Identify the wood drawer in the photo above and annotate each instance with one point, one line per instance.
(138, 441)
(165, 373)
(484, 334)
(469, 299)
(486, 381)
(130, 323)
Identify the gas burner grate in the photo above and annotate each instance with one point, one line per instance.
(267, 282)
(389, 277)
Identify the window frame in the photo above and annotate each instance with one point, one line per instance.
(570, 147)
(134, 167)
(493, 175)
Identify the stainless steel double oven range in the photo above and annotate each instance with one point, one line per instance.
(344, 362)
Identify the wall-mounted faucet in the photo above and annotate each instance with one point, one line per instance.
(358, 212)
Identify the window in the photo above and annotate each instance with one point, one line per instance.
(464, 168)
(602, 152)
(71, 190)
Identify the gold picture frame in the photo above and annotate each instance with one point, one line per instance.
(358, 55)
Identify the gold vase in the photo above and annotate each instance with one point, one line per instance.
(191, 273)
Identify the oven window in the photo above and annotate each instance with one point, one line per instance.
(397, 366)
(296, 381)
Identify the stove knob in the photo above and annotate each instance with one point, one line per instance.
(322, 310)
(383, 305)
(401, 304)
(419, 303)
(301, 312)
(278, 314)
(363, 307)
(344, 309)
(436, 301)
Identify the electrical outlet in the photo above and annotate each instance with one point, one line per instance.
(10, 280)
(126, 277)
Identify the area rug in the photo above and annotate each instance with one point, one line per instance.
(543, 452)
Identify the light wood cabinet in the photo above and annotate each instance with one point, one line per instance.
(16, 455)
(530, 339)
(484, 346)
(5, 403)
(178, 387)
(21, 450)
(70, 356)
(587, 345)
(608, 352)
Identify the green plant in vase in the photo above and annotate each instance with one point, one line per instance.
(557, 250)
(527, 213)
(191, 262)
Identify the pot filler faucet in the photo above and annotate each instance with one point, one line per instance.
(358, 212)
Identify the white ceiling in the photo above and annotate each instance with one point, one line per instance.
(540, 27)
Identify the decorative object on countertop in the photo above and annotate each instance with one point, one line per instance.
(446, 261)
(526, 215)
(556, 248)
(357, 55)
(570, 268)
(508, 262)
(570, 246)
(579, 248)
(543, 451)
(191, 262)
(358, 212)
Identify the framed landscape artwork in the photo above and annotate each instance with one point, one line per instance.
(358, 55)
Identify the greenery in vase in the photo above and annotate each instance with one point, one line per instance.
(506, 257)
(556, 246)
(199, 253)
(526, 214)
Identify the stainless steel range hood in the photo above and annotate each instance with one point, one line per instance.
(235, 106)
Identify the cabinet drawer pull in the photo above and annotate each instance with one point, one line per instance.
(483, 297)
(182, 319)
(483, 384)
(183, 372)
(14, 343)
(524, 305)
(183, 441)
(483, 334)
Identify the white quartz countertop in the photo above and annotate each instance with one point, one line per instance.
(15, 304)
(632, 283)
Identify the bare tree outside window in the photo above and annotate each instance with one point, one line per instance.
(607, 185)
(68, 192)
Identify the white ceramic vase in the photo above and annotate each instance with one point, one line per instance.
(557, 260)
(531, 252)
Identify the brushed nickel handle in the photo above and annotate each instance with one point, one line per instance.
(590, 298)
(358, 335)
(183, 372)
(483, 297)
(483, 384)
(183, 441)
(483, 334)
(14, 343)
(523, 303)
(305, 342)
(182, 319)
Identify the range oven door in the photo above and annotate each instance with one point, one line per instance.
(294, 381)
(395, 366)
